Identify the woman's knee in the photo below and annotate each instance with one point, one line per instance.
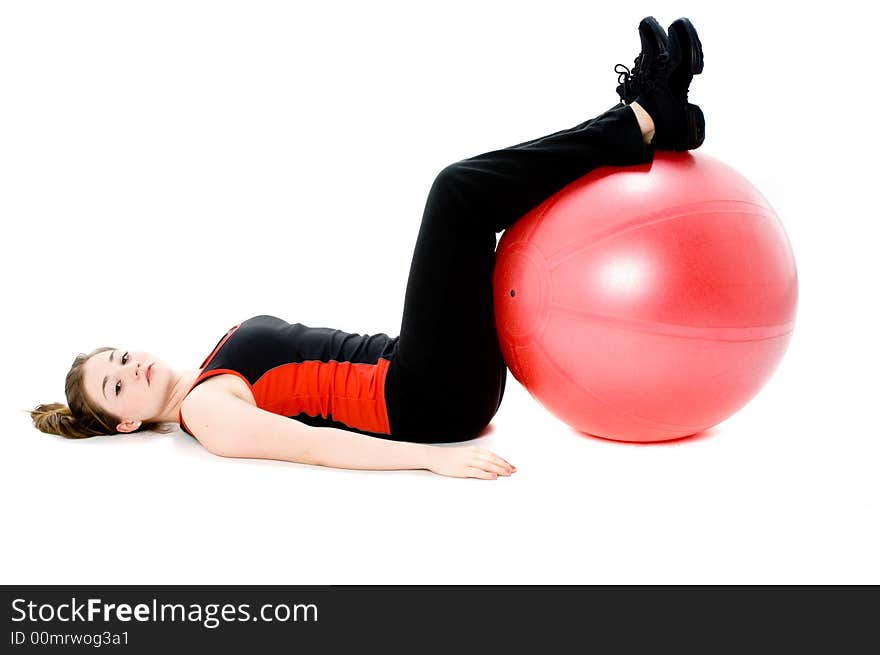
(452, 178)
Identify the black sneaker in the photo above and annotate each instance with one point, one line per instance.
(689, 55)
(654, 41)
(678, 124)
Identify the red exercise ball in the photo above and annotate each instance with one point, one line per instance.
(646, 303)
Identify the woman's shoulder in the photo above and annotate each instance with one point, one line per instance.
(212, 393)
(217, 388)
(214, 414)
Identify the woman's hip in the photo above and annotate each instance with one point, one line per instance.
(448, 401)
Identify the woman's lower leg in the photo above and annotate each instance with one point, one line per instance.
(646, 123)
(499, 187)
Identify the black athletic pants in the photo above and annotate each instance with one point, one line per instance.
(447, 379)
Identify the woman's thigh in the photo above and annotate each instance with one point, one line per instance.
(446, 378)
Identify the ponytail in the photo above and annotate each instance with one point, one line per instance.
(55, 418)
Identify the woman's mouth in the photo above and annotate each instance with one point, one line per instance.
(149, 373)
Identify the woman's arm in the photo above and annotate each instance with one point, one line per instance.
(343, 449)
(228, 426)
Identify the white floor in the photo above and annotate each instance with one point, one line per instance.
(164, 179)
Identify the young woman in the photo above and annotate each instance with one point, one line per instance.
(373, 401)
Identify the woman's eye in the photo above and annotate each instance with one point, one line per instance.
(122, 360)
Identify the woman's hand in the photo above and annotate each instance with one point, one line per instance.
(468, 462)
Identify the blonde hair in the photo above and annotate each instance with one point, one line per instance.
(82, 418)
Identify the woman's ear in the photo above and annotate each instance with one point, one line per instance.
(128, 426)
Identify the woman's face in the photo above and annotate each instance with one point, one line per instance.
(118, 382)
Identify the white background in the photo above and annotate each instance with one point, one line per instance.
(168, 169)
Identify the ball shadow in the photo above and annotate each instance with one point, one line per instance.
(703, 435)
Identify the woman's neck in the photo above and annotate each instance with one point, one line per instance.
(179, 389)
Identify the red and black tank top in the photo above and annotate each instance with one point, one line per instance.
(320, 376)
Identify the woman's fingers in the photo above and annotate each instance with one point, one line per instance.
(469, 462)
(500, 465)
(493, 466)
(475, 472)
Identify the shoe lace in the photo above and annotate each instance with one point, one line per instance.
(624, 76)
(658, 67)
(629, 78)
